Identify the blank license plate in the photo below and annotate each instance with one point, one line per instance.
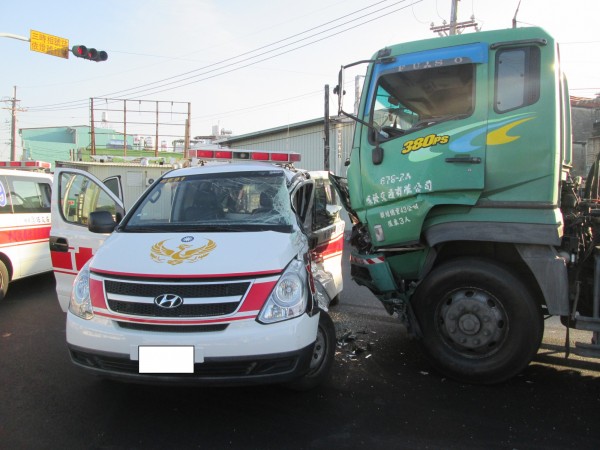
(166, 359)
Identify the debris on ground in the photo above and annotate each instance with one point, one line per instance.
(355, 345)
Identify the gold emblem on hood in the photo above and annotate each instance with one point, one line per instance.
(184, 252)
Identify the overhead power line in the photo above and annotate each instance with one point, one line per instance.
(227, 65)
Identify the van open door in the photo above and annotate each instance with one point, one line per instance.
(75, 194)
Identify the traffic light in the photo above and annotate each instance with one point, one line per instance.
(81, 51)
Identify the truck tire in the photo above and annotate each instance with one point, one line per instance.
(479, 322)
(3, 280)
(323, 355)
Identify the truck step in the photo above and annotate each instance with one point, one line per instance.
(587, 323)
(586, 350)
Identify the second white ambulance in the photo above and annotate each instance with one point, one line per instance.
(219, 274)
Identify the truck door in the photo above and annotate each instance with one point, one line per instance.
(426, 140)
(75, 195)
(328, 234)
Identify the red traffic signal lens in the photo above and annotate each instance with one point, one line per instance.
(81, 51)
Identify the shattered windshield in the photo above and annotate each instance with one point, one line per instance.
(413, 99)
(234, 201)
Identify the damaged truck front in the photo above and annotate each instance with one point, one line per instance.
(467, 223)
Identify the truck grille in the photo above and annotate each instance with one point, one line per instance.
(220, 298)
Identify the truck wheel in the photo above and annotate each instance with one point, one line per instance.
(3, 280)
(322, 358)
(480, 324)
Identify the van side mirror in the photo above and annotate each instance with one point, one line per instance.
(101, 222)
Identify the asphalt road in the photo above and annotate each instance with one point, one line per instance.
(382, 394)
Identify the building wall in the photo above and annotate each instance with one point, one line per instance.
(307, 139)
(56, 143)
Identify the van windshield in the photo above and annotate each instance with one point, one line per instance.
(235, 201)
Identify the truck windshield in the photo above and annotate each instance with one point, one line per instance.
(413, 99)
(234, 201)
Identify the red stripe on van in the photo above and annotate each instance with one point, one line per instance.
(19, 235)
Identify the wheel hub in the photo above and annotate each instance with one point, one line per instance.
(473, 320)
(318, 351)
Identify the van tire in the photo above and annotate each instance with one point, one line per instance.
(479, 322)
(323, 355)
(4, 280)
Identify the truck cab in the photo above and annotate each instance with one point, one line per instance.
(235, 262)
(462, 203)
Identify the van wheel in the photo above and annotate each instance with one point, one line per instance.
(322, 357)
(3, 280)
(480, 324)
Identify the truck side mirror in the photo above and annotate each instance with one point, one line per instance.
(377, 155)
(339, 90)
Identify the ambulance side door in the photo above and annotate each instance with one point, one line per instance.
(328, 232)
(75, 194)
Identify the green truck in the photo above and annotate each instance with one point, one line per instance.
(466, 221)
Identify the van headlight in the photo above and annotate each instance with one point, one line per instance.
(289, 297)
(81, 303)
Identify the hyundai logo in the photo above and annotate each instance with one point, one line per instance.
(168, 301)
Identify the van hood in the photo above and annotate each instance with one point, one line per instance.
(198, 254)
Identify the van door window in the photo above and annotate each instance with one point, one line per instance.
(326, 205)
(79, 196)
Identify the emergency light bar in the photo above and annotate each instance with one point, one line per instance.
(240, 155)
(31, 165)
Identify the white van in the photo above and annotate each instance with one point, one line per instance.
(219, 274)
(24, 223)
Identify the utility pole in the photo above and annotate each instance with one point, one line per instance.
(454, 27)
(13, 127)
(13, 124)
(453, 13)
(326, 140)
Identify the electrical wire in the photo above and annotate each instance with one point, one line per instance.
(77, 104)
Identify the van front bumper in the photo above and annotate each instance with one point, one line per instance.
(234, 354)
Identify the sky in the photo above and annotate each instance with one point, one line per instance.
(242, 66)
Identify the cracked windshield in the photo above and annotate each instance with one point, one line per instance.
(242, 200)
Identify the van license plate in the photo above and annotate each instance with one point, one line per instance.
(166, 359)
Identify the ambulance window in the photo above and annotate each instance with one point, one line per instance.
(79, 196)
(325, 198)
(28, 195)
(5, 207)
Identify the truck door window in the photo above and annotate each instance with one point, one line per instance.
(79, 196)
(517, 78)
(409, 100)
